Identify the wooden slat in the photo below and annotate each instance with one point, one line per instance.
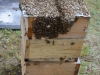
(77, 67)
(69, 48)
(30, 27)
(78, 30)
(50, 68)
(23, 45)
(27, 52)
(26, 24)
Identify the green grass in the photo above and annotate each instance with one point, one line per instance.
(9, 42)
(90, 60)
(85, 51)
(10, 52)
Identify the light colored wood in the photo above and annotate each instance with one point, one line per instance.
(78, 30)
(26, 24)
(27, 48)
(61, 48)
(50, 68)
(23, 45)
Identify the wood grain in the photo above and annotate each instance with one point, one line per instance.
(77, 69)
(30, 28)
(69, 48)
(50, 68)
(78, 30)
(23, 45)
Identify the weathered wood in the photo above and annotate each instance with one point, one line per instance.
(26, 24)
(55, 48)
(61, 52)
(50, 68)
(50, 51)
(30, 28)
(77, 67)
(23, 45)
(78, 30)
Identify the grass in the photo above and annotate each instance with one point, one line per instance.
(10, 43)
(85, 51)
(10, 52)
(90, 58)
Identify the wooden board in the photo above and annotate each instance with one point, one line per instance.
(78, 30)
(51, 68)
(56, 48)
(30, 27)
(23, 44)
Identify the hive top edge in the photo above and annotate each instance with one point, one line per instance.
(67, 9)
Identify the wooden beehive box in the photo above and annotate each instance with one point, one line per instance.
(68, 46)
(62, 48)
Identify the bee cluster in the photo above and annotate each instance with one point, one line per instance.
(53, 17)
(50, 27)
(39, 8)
(71, 8)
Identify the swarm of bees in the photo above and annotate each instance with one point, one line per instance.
(39, 8)
(53, 17)
(49, 8)
(50, 27)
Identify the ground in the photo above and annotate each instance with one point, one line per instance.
(10, 46)
(90, 57)
(10, 52)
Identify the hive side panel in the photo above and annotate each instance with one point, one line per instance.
(23, 45)
(67, 48)
(78, 30)
(51, 68)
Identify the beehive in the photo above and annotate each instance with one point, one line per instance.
(53, 32)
